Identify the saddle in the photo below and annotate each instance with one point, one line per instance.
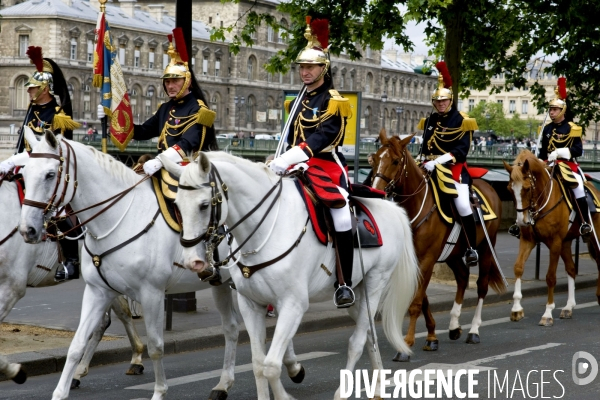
(18, 180)
(566, 185)
(165, 188)
(319, 192)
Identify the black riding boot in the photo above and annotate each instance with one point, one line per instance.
(585, 229)
(344, 296)
(471, 257)
(70, 251)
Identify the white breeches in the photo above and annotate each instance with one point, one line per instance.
(342, 220)
(462, 203)
(579, 192)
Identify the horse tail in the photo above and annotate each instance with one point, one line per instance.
(400, 289)
(495, 280)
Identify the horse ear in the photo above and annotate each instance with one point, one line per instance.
(30, 136)
(50, 138)
(203, 164)
(407, 139)
(383, 139)
(507, 167)
(526, 167)
(172, 167)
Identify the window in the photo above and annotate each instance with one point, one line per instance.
(471, 104)
(205, 65)
(368, 51)
(90, 50)
(342, 79)
(501, 102)
(23, 45)
(401, 89)
(73, 54)
(218, 67)
(524, 106)
(22, 98)
(369, 84)
(251, 68)
(86, 98)
(351, 83)
(393, 89)
(459, 104)
(512, 106)
(270, 34)
(292, 75)
(269, 77)
(165, 60)
(284, 26)
(122, 55)
(151, 60)
(250, 109)
(136, 58)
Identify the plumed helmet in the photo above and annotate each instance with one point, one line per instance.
(42, 77)
(315, 52)
(560, 97)
(178, 66)
(444, 88)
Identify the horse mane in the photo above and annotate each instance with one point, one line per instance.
(525, 155)
(116, 168)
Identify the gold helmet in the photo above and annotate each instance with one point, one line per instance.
(178, 66)
(560, 97)
(42, 77)
(444, 88)
(315, 52)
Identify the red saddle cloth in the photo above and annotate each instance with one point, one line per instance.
(321, 185)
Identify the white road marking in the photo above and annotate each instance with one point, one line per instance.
(217, 372)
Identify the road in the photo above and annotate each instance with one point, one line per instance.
(513, 354)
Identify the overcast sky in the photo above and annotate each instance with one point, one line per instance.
(416, 35)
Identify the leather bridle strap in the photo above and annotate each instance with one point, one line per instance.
(16, 228)
(50, 204)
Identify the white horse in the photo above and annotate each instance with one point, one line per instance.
(23, 265)
(304, 273)
(144, 269)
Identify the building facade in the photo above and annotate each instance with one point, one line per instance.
(245, 97)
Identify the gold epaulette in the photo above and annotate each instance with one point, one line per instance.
(63, 122)
(339, 105)
(576, 130)
(286, 104)
(539, 129)
(469, 124)
(205, 116)
(421, 124)
(463, 114)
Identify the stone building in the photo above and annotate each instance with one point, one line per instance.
(237, 87)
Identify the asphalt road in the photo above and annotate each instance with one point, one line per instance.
(520, 359)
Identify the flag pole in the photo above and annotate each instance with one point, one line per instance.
(104, 120)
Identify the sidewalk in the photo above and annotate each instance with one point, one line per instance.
(60, 309)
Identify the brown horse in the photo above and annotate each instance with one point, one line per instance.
(543, 216)
(396, 172)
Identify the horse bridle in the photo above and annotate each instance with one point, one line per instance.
(391, 183)
(532, 207)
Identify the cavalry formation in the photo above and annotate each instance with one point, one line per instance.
(392, 278)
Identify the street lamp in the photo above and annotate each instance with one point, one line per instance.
(242, 100)
(399, 111)
(384, 100)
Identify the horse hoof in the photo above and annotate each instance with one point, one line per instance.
(455, 333)
(546, 321)
(431, 345)
(566, 314)
(217, 395)
(299, 376)
(75, 383)
(473, 338)
(135, 369)
(20, 377)
(517, 315)
(401, 357)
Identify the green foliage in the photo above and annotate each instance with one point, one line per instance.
(513, 127)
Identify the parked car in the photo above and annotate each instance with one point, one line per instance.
(263, 136)
(226, 136)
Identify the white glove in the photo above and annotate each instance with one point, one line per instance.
(563, 153)
(18, 159)
(6, 166)
(552, 156)
(101, 113)
(293, 156)
(299, 166)
(430, 166)
(151, 166)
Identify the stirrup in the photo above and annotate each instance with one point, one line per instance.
(212, 275)
(515, 231)
(585, 229)
(344, 305)
(471, 257)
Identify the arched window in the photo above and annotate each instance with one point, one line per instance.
(21, 96)
(368, 115)
(215, 105)
(250, 109)
(270, 34)
(280, 34)
(149, 102)
(252, 70)
(369, 84)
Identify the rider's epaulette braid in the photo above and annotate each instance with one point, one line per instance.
(421, 124)
(63, 122)
(286, 104)
(339, 105)
(469, 124)
(576, 130)
(205, 116)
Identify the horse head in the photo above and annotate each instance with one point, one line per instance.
(46, 184)
(202, 205)
(389, 162)
(527, 184)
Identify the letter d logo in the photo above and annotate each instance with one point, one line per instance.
(579, 367)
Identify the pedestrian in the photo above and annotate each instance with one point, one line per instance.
(446, 141)
(314, 137)
(88, 134)
(369, 179)
(95, 134)
(184, 124)
(44, 113)
(252, 139)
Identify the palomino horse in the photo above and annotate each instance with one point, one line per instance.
(396, 172)
(23, 265)
(543, 216)
(61, 171)
(219, 188)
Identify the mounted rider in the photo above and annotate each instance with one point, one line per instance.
(561, 144)
(45, 112)
(316, 131)
(447, 138)
(184, 124)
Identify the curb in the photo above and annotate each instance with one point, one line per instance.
(118, 351)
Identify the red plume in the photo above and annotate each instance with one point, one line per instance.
(320, 28)
(35, 55)
(170, 37)
(180, 44)
(562, 87)
(443, 69)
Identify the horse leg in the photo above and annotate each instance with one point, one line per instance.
(120, 306)
(11, 292)
(485, 263)
(431, 344)
(94, 305)
(555, 249)
(83, 366)
(461, 274)
(567, 257)
(152, 301)
(254, 318)
(223, 297)
(525, 246)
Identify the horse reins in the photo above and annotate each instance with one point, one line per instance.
(533, 204)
